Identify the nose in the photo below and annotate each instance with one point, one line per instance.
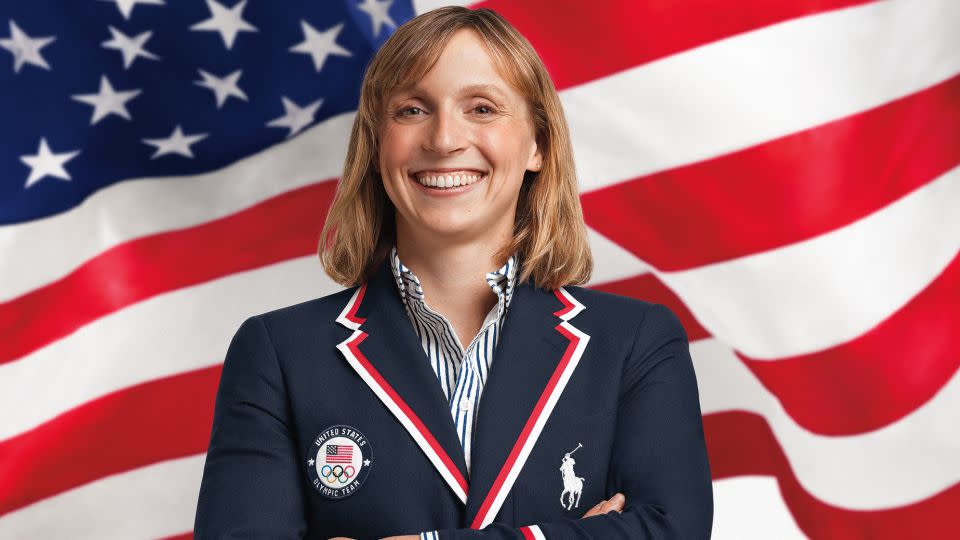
(446, 134)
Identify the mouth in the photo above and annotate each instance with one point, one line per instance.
(448, 181)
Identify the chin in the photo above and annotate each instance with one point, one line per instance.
(452, 228)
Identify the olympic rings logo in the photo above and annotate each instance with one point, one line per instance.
(333, 475)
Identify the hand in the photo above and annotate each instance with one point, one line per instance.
(614, 503)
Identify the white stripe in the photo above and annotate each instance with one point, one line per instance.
(751, 508)
(168, 334)
(577, 306)
(537, 533)
(756, 86)
(900, 464)
(38, 252)
(610, 261)
(401, 416)
(422, 6)
(342, 318)
(825, 291)
(622, 125)
(150, 502)
(514, 471)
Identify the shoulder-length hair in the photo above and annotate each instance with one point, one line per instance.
(549, 237)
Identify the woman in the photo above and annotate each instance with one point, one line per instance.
(459, 188)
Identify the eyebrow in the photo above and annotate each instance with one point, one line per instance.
(470, 88)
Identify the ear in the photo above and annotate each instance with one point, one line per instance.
(535, 163)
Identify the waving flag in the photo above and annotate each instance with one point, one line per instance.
(783, 174)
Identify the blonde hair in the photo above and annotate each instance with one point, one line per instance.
(550, 236)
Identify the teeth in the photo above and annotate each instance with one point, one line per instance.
(449, 181)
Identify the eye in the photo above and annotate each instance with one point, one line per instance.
(483, 106)
(402, 112)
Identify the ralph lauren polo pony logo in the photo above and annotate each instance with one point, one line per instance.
(572, 484)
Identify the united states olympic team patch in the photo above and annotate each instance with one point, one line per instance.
(338, 461)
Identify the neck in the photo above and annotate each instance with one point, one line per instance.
(452, 273)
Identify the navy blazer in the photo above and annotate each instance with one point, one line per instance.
(589, 393)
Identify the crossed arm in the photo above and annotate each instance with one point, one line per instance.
(613, 504)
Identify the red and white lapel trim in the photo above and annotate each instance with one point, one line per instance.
(541, 411)
(571, 306)
(348, 317)
(532, 532)
(424, 439)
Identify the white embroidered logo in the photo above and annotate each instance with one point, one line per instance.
(572, 483)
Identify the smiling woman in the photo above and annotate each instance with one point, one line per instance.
(359, 414)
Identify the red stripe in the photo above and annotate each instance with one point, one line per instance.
(527, 533)
(352, 313)
(614, 35)
(785, 190)
(649, 288)
(527, 428)
(277, 229)
(906, 359)
(879, 377)
(567, 304)
(354, 346)
(123, 430)
(741, 443)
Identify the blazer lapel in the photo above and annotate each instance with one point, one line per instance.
(385, 351)
(537, 353)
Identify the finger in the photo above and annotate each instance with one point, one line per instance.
(606, 507)
(593, 511)
(613, 503)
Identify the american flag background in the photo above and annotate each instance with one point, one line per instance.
(342, 453)
(783, 174)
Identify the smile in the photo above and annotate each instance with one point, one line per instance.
(448, 181)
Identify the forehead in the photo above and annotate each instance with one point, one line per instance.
(465, 66)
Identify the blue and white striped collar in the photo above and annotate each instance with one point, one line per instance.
(409, 285)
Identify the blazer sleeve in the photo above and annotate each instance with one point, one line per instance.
(250, 486)
(659, 458)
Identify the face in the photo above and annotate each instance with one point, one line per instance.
(466, 127)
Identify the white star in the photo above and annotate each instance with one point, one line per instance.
(366, 462)
(176, 143)
(226, 21)
(377, 10)
(295, 118)
(310, 462)
(320, 45)
(126, 6)
(131, 48)
(222, 87)
(25, 49)
(46, 163)
(107, 101)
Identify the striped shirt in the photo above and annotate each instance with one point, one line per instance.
(445, 352)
